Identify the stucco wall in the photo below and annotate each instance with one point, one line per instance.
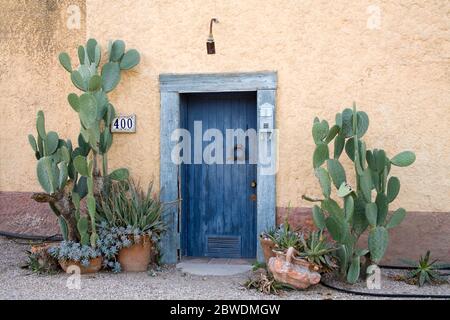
(324, 53)
(32, 33)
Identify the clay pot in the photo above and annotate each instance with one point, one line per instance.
(295, 272)
(267, 246)
(38, 248)
(136, 257)
(94, 265)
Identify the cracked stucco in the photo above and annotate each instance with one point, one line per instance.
(324, 54)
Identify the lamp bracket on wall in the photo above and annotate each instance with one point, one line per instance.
(210, 45)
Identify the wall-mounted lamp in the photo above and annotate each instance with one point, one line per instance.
(210, 46)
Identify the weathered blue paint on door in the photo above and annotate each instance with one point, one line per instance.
(219, 201)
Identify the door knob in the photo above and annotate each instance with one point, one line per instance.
(253, 184)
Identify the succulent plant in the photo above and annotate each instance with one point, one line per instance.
(126, 204)
(269, 234)
(112, 239)
(425, 271)
(366, 205)
(284, 237)
(74, 251)
(264, 282)
(318, 250)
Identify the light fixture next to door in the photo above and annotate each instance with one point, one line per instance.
(210, 45)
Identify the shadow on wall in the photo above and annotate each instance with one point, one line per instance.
(21, 214)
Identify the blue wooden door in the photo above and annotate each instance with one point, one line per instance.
(219, 200)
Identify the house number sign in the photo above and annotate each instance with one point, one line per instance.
(125, 124)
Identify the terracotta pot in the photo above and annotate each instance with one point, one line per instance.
(94, 265)
(38, 248)
(295, 272)
(136, 257)
(267, 246)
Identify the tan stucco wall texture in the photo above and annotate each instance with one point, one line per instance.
(391, 57)
(32, 33)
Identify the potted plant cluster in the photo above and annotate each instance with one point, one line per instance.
(130, 226)
(298, 258)
(278, 238)
(311, 249)
(70, 175)
(85, 257)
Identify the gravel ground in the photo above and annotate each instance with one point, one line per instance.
(169, 283)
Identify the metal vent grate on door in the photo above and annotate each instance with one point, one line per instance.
(224, 247)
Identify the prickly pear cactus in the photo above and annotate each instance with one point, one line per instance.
(93, 107)
(365, 205)
(56, 171)
(66, 174)
(96, 112)
(54, 166)
(84, 167)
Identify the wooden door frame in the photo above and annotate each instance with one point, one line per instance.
(171, 86)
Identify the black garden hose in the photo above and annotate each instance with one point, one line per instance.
(32, 237)
(390, 295)
(405, 267)
(386, 295)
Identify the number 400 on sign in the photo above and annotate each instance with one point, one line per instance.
(124, 124)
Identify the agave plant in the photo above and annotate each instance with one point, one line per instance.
(425, 271)
(127, 205)
(284, 237)
(317, 250)
(269, 234)
(38, 262)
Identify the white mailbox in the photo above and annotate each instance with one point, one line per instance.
(266, 120)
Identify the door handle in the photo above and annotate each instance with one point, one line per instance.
(253, 184)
